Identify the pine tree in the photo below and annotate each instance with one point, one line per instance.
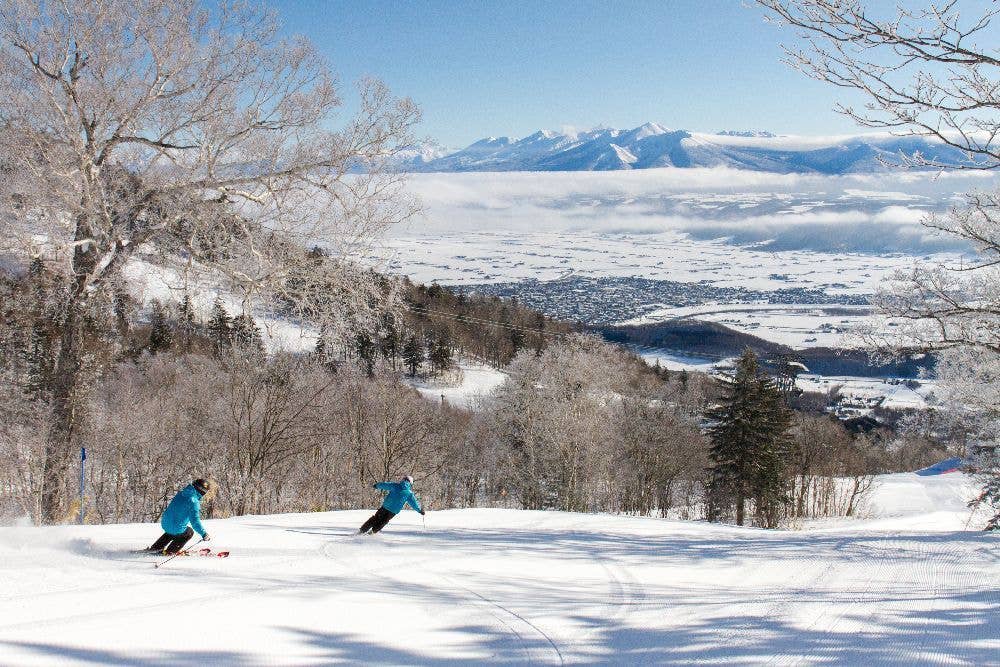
(540, 336)
(219, 327)
(516, 340)
(160, 335)
(413, 354)
(188, 325)
(748, 446)
(39, 361)
(389, 340)
(364, 347)
(38, 354)
(246, 336)
(440, 354)
(323, 354)
(124, 308)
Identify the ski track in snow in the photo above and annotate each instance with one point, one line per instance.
(907, 586)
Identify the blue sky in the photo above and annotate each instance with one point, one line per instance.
(511, 67)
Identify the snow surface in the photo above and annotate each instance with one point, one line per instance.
(908, 586)
(463, 388)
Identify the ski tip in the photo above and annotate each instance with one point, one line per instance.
(223, 554)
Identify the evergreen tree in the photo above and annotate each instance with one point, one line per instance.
(441, 354)
(220, 327)
(365, 348)
(246, 336)
(540, 336)
(748, 446)
(413, 354)
(323, 354)
(516, 340)
(187, 323)
(39, 361)
(38, 354)
(160, 335)
(788, 366)
(389, 340)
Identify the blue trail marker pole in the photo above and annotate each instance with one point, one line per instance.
(83, 464)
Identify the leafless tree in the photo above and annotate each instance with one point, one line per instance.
(829, 474)
(275, 411)
(924, 71)
(131, 125)
(930, 71)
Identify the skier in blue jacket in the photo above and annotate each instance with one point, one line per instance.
(400, 495)
(182, 518)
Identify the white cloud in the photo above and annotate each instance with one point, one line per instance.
(751, 207)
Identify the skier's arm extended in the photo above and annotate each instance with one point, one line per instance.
(384, 486)
(196, 519)
(412, 500)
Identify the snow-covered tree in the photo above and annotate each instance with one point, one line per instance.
(552, 421)
(194, 128)
(928, 71)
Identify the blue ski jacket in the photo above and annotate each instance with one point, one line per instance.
(183, 510)
(400, 494)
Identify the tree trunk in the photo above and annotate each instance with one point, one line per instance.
(740, 510)
(59, 448)
(65, 377)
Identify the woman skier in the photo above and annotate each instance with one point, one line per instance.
(400, 494)
(183, 517)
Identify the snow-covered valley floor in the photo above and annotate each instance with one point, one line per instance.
(907, 586)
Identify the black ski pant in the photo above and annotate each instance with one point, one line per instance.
(171, 544)
(377, 521)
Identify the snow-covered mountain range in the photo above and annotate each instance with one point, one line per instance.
(652, 145)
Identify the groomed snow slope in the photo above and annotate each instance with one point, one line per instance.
(906, 587)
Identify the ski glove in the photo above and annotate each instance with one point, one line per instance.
(206, 538)
(422, 512)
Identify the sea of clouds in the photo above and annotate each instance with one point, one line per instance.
(877, 213)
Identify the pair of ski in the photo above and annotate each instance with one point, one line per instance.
(204, 552)
(187, 552)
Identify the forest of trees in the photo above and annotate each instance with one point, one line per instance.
(579, 424)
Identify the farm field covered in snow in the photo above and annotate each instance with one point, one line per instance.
(620, 246)
(908, 585)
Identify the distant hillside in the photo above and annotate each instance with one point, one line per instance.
(652, 145)
(716, 341)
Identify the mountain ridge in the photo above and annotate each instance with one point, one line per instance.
(652, 145)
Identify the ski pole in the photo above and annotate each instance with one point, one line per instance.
(157, 565)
